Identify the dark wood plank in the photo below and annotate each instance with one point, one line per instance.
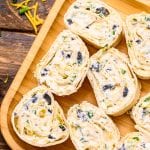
(10, 19)
(3, 145)
(13, 49)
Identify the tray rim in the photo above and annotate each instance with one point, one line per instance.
(54, 10)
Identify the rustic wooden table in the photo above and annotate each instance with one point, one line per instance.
(16, 38)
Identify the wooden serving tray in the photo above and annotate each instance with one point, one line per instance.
(25, 81)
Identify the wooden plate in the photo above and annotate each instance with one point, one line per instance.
(24, 80)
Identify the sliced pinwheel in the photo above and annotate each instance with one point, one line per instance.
(90, 128)
(95, 21)
(114, 83)
(64, 67)
(39, 120)
(137, 31)
(141, 114)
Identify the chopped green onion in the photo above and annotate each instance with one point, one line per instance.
(129, 43)
(90, 114)
(136, 138)
(113, 32)
(123, 71)
(23, 10)
(147, 99)
(73, 78)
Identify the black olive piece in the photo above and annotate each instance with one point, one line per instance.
(108, 86)
(50, 111)
(45, 69)
(51, 137)
(138, 41)
(34, 98)
(87, 27)
(108, 69)
(95, 67)
(145, 112)
(102, 10)
(62, 127)
(134, 19)
(79, 57)
(82, 115)
(69, 21)
(148, 27)
(26, 107)
(125, 92)
(47, 98)
(44, 72)
(122, 147)
(15, 114)
(143, 145)
(72, 39)
(76, 7)
(88, 8)
(66, 54)
(114, 27)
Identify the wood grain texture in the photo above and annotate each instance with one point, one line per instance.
(144, 4)
(13, 49)
(24, 80)
(10, 19)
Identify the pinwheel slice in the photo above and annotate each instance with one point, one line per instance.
(90, 128)
(141, 114)
(134, 141)
(137, 31)
(115, 85)
(39, 120)
(64, 67)
(95, 21)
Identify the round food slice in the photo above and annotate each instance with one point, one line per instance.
(115, 85)
(137, 32)
(39, 120)
(134, 141)
(90, 128)
(64, 67)
(141, 114)
(95, 21)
